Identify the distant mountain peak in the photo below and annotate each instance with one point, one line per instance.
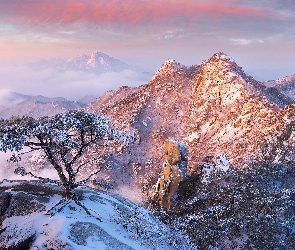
(97, 63)
(99, 53)
(282, 81)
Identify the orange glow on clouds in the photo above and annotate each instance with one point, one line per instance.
(127, 12)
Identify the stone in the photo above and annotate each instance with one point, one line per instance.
(173, 173)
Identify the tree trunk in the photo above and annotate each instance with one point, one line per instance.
(69, 192)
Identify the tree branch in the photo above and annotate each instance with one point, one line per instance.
(43, 179)
(88, 178)
(85, 163)
(80, 152)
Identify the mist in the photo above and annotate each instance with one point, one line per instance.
(7, 170)
(72, 85)
(8, 99)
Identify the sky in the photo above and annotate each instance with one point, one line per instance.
(258, 34)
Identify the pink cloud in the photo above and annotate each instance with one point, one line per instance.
(128, 12)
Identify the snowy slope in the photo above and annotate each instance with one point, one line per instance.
(115, 222)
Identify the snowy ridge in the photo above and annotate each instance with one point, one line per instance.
(284, 86)
(36, 106)
(282, 81)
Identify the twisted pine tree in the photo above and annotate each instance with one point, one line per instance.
(63, 138)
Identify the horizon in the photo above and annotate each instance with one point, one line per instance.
(259, 36)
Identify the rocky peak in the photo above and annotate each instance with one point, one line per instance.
(220, 56)
(222, 79)
(222, 64)
(169, 67)
(173, 173)
(101, 62)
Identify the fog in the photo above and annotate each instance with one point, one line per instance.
(72, 85)
(7, 98)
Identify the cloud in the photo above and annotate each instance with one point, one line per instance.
(70, 84)
(127, 13)
(243, 41)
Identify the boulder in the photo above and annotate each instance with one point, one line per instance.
(173, 173)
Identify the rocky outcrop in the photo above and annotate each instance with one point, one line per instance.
(173, 173)
(34, 216)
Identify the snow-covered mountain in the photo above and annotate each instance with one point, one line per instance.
(214, 108)
(97, 63)
(29, 221)
(37, 106)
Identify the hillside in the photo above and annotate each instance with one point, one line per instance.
(225, 117)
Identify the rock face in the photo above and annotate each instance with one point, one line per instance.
(173, 173)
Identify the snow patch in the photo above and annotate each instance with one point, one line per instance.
(222, 163)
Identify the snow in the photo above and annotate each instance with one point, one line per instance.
(222, 162)
(223, 56)
(207, 169)
(6, 183)
(114, 223)
(193, 136)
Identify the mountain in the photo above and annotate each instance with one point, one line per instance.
(214, 108)
(30, 220)
(97, 63)
(285, 85)
(36, 106)
(221, 114)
